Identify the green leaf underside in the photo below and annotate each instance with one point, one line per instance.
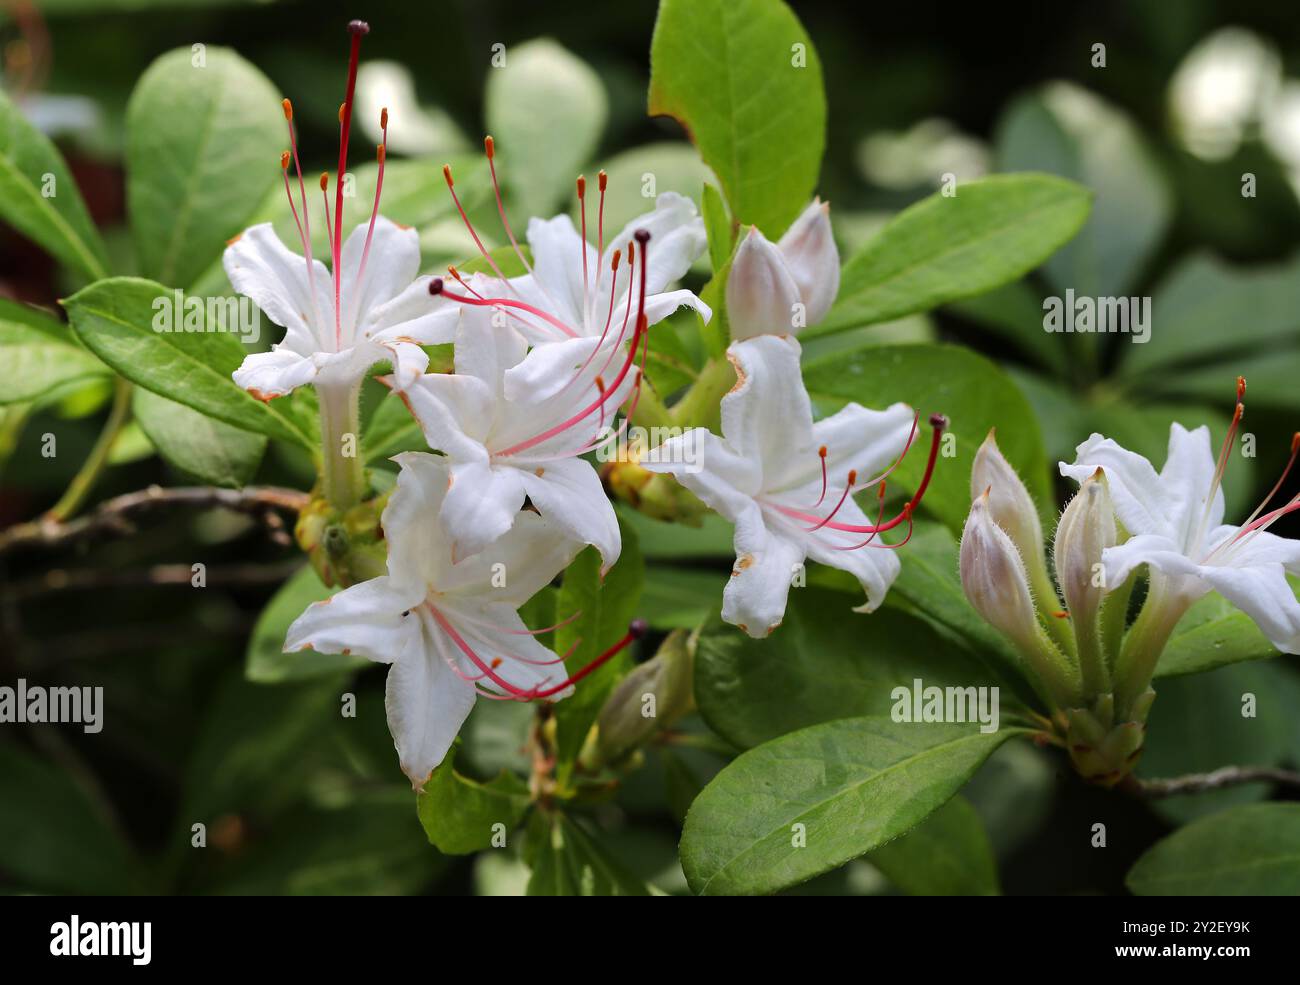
(460, 815)
(947, 854)
(198, 445)
(854, 784)
(566, 861)
(39, 354)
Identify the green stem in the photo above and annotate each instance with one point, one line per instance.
(699, 408)
(79, 488)
(1092, 664)
(1145, 642)
(342, 474)
(1049, 603)
(1114, 618)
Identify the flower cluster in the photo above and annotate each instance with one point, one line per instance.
(1092, 668)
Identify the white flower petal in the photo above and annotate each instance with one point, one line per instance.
(273, 374)
(263, 269)
(856, 439)
(767, 415)
(1186, 480)
(1264, 594)
(761, 290)
(391, 266)
(766, 564)
(366, 619)
(1155, 549)
(677, 240)
(709, 467)
(660, 306)
(547, 369)
(426, 703)
(874, 566)
(1135, 488)
(481, 505)
(557, 268)
(455, 413)
(486, 347)
(513, 568)
(569, 494)
(418, 552)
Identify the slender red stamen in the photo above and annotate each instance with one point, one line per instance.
(641, 326)
(489, 147)
(821, 453)
(602, 180)
(635, 631)
(549, 629)
(382, 153)
(474, 658)
(357, 29)
(436, 287)
(880, 515)
(582, 202)
(451, 187)
(324, 191)
(848, 488)
(306, 212)
(1295, 447)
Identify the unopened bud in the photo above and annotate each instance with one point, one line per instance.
(653, 696)
(993, 576)
(1086, 529)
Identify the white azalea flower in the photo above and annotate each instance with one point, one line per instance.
(338, 322)
(577, 299)
(786, 482)
(506, 446)
(1175, 518)
(779, 288)
(450, 631)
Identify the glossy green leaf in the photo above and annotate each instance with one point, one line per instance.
(1213, 633)
(824, 662)
(841, 789)
(947, 854)
(974, 394)
(1247, 851)
(265, 660)
(202, 152)
(1071, 132)
(461, 815)
(680, 598)
(114, 318)
(992, 231)
(39, 198)
(198, 445)
(566, 861)
(607, 605)
(39, 354)
(743, 78)
(546, 109)
(391, 430)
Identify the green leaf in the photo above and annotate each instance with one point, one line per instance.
(198, 445)
(1203, 722)
(202, 152)
(265, 660)
(974, 394)
(53, 836)
(607, 605)
(39, 198)
(853, 785)
(1069, 131)
(824, 662)
(114, 318)
(1014, 313)
(676, 541)
(1246, 851)
(460, 815)
(546, 110)
(1213, 633)
(743, 78)
(38, 354)
(391, 430)
(947, 854)
(566, 861)
(680, 598)
(992, 231)
(1202, 295)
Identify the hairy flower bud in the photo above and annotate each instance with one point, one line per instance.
(993, 576)
(1086, 529)
(1009, 503)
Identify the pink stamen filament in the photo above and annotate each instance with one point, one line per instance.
(481, 301)
(634, 632)
(357, 29)
(304, 229)
(821, 453)
(582, 202)
(451, 187)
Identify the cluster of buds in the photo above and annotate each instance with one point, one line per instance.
(1068, 633)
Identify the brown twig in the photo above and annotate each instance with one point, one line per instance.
(215, 576)
(1228, 776)
(114, 517)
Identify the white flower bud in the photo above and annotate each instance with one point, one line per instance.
(993, 577)
(1086, 529)
(810, 252)
(1009, 503)
(761, 291)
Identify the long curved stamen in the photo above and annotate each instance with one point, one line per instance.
(489, 672)
(602, 179)
(1295, 447)
(1220, 465)
(305, 231)
(382, 152)
(436, 287)
(880, 515)
(631, 282)
(489, 148)
(451, 187)
(939, 423)
(635, 630)
(582, 203)
(643, 237)
(324, 191)
(821, 453)
(357, 29)
(848, 488)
